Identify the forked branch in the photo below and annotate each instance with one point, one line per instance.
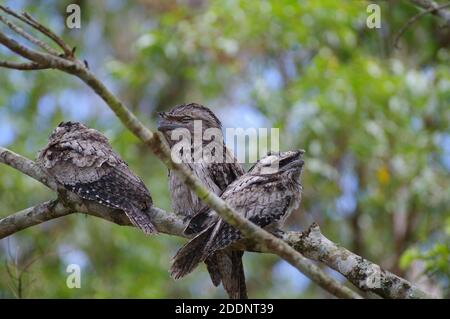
(67, 63)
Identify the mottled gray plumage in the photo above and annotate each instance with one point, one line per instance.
(226, 266)
(266, 195)
(82, 161)
(216, 175)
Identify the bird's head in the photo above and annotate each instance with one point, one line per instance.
(184, 115)
(289, 163)
(66, 129)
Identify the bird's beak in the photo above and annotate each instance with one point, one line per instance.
(293, 160)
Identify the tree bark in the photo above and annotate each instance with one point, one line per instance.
(364, 274)
(67, 63)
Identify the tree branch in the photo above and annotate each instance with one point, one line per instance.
(158, 146)
(27, 167)
(165, 222)
(23, 66)
(32, 216)
(33, 40)
(263, 239)
(70, 203)
(433, 8)
(362, 273)
(27, 19)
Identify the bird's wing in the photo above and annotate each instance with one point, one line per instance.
(119, 188)
(116, 187)
(255, 198)
(94, 171)
(221, 175)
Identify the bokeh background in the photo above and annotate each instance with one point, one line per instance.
(373, 119)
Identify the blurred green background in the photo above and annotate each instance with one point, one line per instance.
(374, 121)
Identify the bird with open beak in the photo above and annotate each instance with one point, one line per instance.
(266, 195)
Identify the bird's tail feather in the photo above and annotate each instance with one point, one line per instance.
(238, 269)
(141, 220)
(232, 273)
(212, 265)
(190, 255)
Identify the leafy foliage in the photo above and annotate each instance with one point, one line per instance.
(373, 121)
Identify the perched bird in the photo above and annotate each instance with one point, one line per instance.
(265, 195)
(216, 174)
(82, 161)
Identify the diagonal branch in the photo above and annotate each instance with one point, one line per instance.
(359, 271)
(29, 20)
(25, 35)
(161, 150)
(362, 273)
(68, 52)
(265, 241)
(312, 243)
(433, 8)
(164, 221)
(27, 167)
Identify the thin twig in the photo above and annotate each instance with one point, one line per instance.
(28, 19)
(428, 4)
(414, 19)
(22, 50)
(159, 147)
(68, 52)
(164, 221)
(312, 243)
(23, 66)
(27, 36)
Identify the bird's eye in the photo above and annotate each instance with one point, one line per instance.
(267, 164)
(186, 119)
